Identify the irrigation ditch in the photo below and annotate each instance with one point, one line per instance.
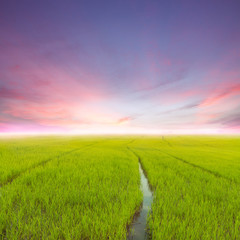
(138, 229)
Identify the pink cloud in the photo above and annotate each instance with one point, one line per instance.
(220, 95)
(124, 120)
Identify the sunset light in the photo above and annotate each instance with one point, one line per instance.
(119, 119)
(71, 68)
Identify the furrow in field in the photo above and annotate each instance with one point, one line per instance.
(132, 141)
(216, 174)
(138, 228)
(42, 163)
(191, 201)
(90, 194)
(165, 140)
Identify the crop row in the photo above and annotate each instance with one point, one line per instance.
(89, 188)
(90, 194)
(196, 188)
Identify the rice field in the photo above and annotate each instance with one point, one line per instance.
(90, 187)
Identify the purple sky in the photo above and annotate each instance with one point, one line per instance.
(120, 66)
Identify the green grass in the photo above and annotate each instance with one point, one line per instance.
(196, 187)
(22, 154)
(89, 194)
(89, 187)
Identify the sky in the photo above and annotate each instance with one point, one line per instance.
(131, 66)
